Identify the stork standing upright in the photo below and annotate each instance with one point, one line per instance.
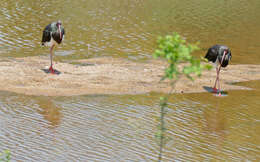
(220, 55)
(52, 35)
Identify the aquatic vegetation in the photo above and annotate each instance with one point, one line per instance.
(174, 49)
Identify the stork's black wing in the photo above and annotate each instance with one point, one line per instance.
(212, 53)
(46, 35)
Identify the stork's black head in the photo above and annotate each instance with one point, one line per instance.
(225, 56)
(58, 24)
(225, 51)
(228, 53)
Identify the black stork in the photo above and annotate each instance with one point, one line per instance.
(220, 55)
(52, 36)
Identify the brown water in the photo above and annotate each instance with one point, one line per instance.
(122, 128)
(123, 28)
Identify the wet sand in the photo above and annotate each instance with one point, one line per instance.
(108, 76)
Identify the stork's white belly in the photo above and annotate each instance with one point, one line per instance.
(50, 43)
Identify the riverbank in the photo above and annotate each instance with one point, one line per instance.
(108, 76)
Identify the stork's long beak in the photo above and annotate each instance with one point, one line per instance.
(60, 32)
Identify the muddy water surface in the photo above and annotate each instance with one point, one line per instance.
(121, 128)
(123, 28)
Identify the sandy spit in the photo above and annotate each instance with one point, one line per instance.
(108, 76)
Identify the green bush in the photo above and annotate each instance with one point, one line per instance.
(175, 50)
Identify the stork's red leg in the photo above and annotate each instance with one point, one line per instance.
(51, 70)
(215, 90)
(219, 94)
(223, 57)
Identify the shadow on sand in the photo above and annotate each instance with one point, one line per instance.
(48, 72)
(210, 90)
